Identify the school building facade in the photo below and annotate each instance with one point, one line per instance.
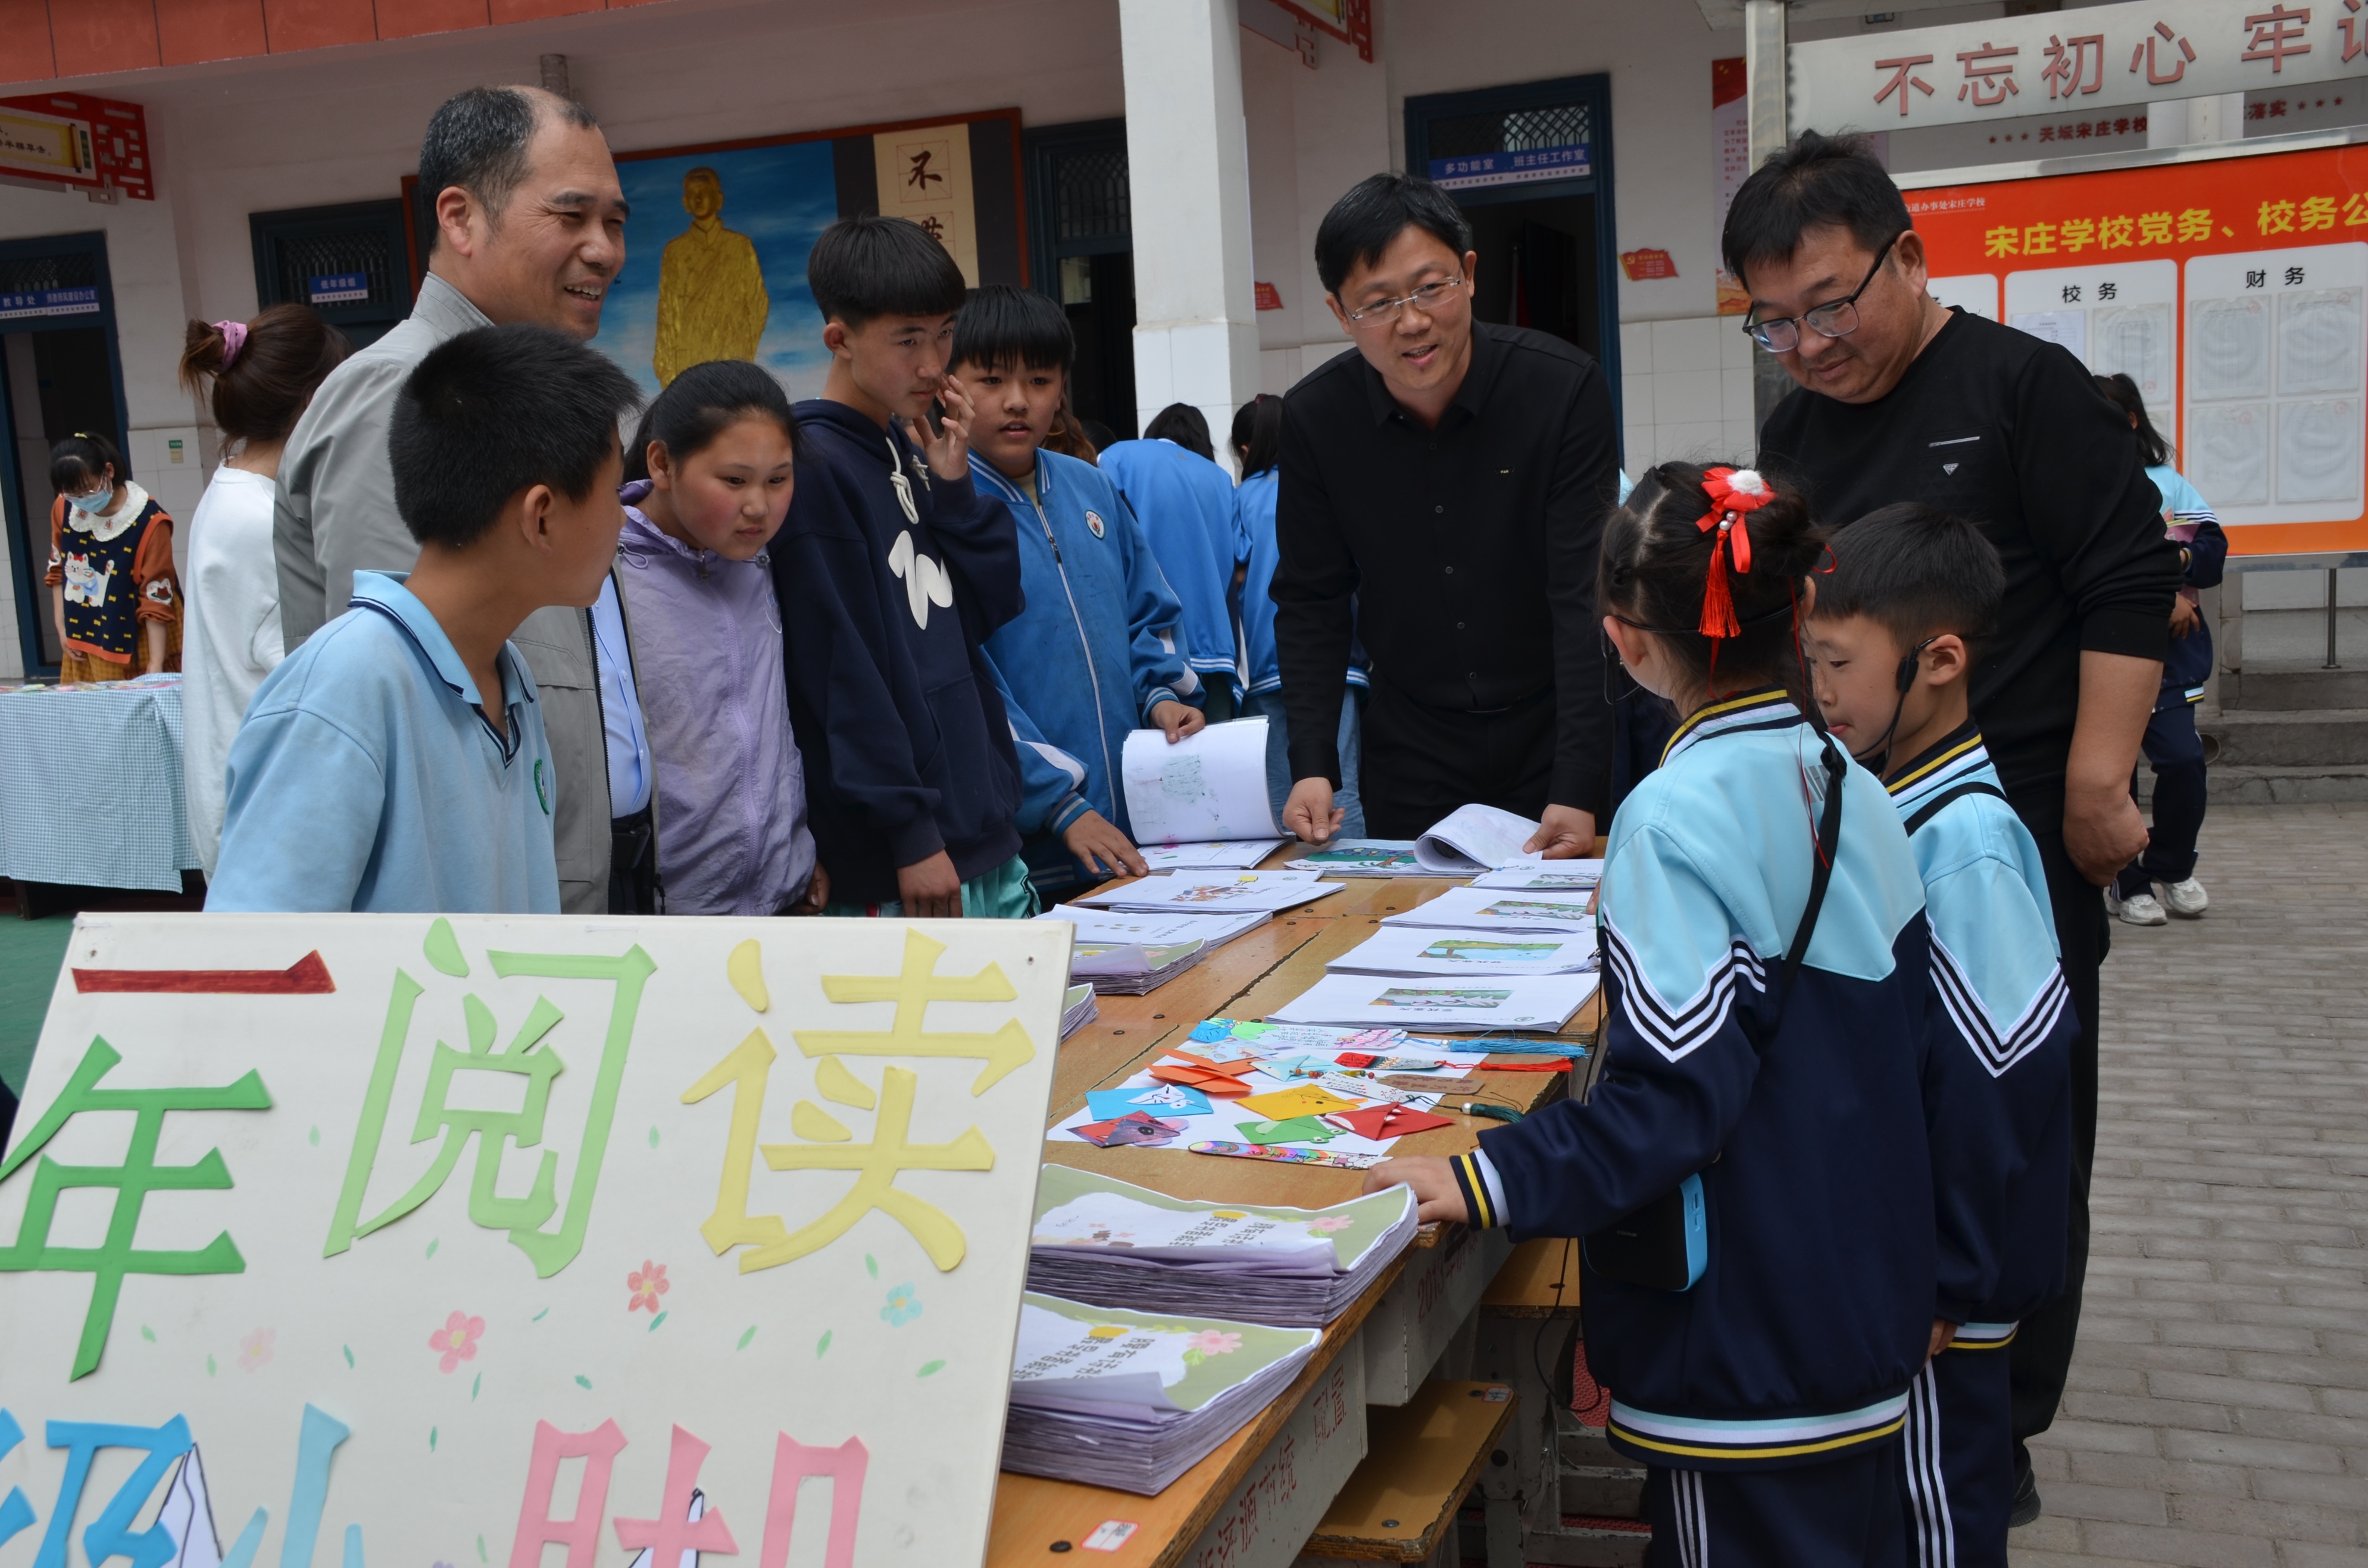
(1160, 166)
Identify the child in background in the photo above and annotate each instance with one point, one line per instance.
(112, 586)
(2173, 749)
(1258, 443)
(1185, 502)
(1765, 973)
(396, 762)
(892, 572)
(1892, 634)
(257, 377)
(708, 485)
(1096, 652)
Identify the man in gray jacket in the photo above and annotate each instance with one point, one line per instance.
(529, 227)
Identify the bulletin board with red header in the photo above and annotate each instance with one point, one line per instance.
(2232, 291)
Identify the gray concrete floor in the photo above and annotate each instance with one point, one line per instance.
(2219, 1408)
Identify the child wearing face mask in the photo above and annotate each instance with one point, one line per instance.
(113, 590)
(709, 482)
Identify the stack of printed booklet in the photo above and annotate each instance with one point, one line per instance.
(1135, 938)
(1121, 1379)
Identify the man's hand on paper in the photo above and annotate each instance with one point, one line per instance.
(1177, 720)
(1309, 814)
(1436, 1196)
(1095, 840)
(1564, 832)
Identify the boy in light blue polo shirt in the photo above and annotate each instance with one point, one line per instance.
(370, 773)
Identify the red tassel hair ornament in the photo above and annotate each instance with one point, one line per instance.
(1735, 494)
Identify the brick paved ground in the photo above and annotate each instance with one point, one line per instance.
(2219, 1408)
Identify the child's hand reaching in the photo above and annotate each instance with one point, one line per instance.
(1436, 1195)
(948, 451)
(1178, 719)
(1095, 840)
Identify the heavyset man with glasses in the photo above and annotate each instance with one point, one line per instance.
(1903, 399)
(1443, 490)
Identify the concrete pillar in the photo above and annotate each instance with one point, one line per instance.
(1196, 337)
(1766, 84)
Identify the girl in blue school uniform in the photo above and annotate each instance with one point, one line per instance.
(1750, 1174)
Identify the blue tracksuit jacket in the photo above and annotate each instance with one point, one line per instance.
(1797, 1343)
(1098, 644)
(1185, 505)
(2189, 518)
(1998, 1078)
(1254, 501)
(889, 580)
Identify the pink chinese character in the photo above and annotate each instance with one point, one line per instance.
(2068, 59)
(2355, 36)
(2277, 33)
(1989, 75)
(2047, 133)
(2156, 76)
(1903, 77)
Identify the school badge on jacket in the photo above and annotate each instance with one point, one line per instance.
(1094, 521)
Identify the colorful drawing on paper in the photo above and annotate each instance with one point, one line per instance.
(1475, 997)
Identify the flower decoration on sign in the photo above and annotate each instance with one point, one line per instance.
(457, 1341)
(255, 1350)
(902, 1308)
(647, 1284)
(1211, 1342)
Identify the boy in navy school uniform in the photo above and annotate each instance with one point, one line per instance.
(396, 762)
(1892, 633)
(892, 571)
(1098, 653)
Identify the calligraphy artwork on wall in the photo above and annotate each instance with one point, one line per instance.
(460, 1238)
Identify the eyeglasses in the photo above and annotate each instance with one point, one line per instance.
(1429, 298)
(1835, 318)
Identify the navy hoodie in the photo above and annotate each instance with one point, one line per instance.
(887, 589)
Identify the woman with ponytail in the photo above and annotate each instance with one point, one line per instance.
(257, 376)
(1750, 1173)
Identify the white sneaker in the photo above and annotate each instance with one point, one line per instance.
(2187, 900)
(2142, 909)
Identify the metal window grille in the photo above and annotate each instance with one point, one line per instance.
(1089, 195)
(33, 274)
(1510, 130)
(365, 251)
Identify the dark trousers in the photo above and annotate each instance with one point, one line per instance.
(1842, 1514)
(1217, 704)
(2175, 752)
(1421, 762)
(633, 864)
(2042, 1352)
(1957, 1469)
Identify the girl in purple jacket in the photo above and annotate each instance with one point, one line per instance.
(709, 480)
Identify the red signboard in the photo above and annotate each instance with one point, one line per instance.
(76, 140)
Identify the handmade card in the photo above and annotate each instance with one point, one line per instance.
(399, 1241)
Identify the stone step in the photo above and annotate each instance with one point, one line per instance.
(2315, 737)
(1608, 1491)
(2289, 786)
(2282, 686)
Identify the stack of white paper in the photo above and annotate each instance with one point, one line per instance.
(1543, 1003)
(1128, 953)
(1473, 838)
(1132, 969)
(1209, 786)
(1489, 909)
(1416, 949)
(1218, 855)
(1114, 1398)
(1078, 1008)
(1544, 876)
(1104, 1241)
(1363, 858)
(1184, 892)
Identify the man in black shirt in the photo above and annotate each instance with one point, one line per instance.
(1443, 490)
(1903, 399)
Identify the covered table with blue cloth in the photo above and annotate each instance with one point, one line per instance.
(90, 785)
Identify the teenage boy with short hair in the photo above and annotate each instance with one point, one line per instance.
(371, 774)
(1892, 631)
(892, 569)
(1096, 652)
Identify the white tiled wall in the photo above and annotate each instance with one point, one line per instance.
(1685, 390)
(175, 485)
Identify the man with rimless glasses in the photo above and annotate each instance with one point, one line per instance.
(1901, 398)
(1443, 489)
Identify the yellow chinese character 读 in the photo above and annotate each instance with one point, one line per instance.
(2115, 233)
(2001, 242)
(2276, 218)
(2039, 239)
(2319, 212)
(2079, 234)
(2154, 228)
(2195, 223)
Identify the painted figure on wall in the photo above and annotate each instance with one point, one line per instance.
(711, 299)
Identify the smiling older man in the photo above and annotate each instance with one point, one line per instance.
(529, 227)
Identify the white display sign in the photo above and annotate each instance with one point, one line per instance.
(427, 1243)
(2094, 58)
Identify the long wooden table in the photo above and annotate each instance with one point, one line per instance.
(1247, 978)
